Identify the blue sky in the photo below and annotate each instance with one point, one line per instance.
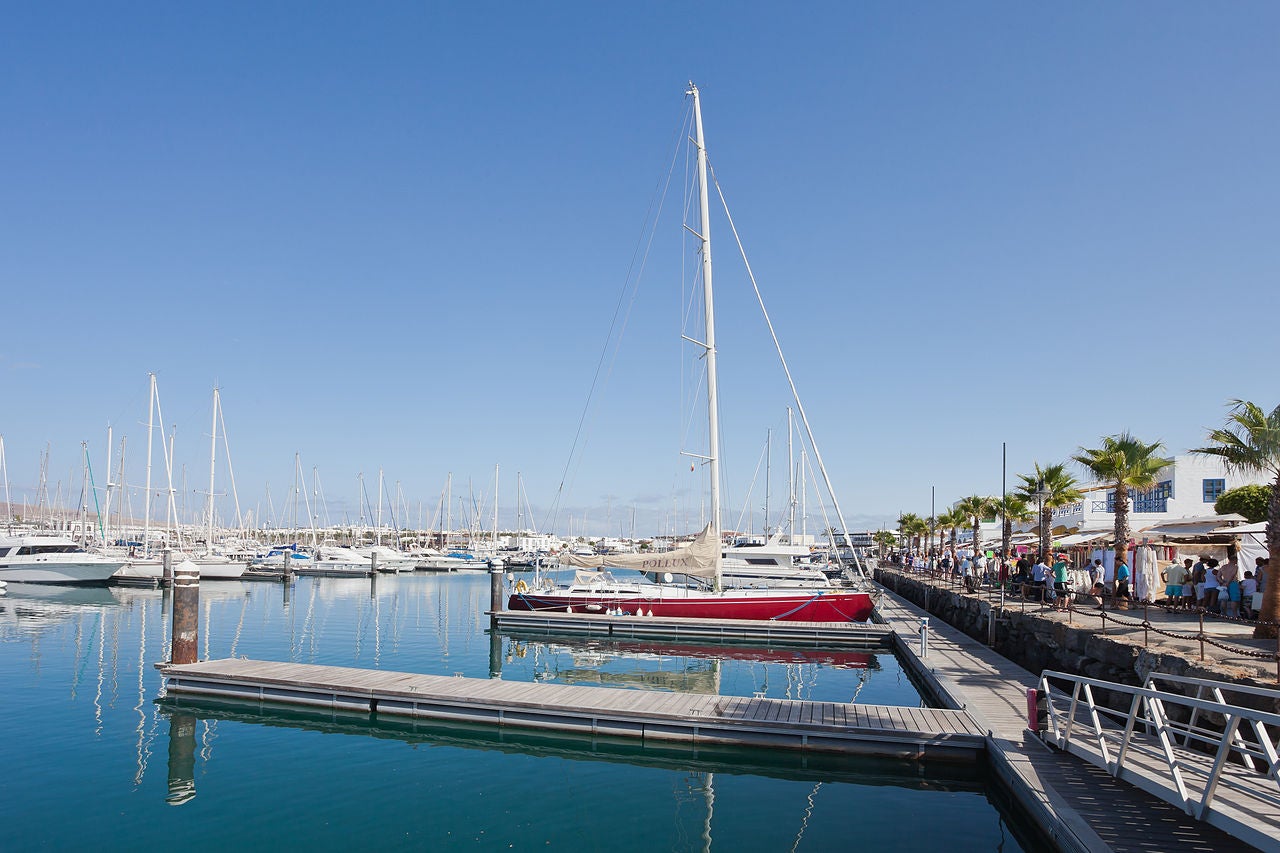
(395, 235)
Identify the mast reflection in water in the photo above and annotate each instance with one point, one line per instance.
(80, 720)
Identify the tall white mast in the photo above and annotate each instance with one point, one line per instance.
(146, 503)
(8, 501)
(709, 345)
(106, 502)
(213, 451)
(378, 536)
(791, 483)
(495, 508)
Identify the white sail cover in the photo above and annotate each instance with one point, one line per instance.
(700, 558)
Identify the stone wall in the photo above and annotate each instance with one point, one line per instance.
(1038, 643)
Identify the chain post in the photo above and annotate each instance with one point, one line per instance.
(1102, 605)
(1146, 623)
(1201, 633)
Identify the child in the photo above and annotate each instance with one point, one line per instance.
(1248, 587)
(1189, 592)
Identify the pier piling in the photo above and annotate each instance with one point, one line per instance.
(186, 612)
(495, 592)
(166, 575)
(373, 563)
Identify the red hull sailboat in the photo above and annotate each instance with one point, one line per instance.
(599, 592)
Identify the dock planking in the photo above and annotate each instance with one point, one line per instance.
(1081, 807)
(646, 715)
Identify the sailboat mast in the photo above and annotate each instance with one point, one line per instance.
(213, 451)
(791, 484)
(709, 345)
(146, 503)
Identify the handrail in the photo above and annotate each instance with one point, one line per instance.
(1245, 764)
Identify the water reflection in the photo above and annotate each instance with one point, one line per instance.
(84, 656)
(182, 759)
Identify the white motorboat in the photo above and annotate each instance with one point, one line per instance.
(52, 559)
(211, 568)
(388, 559)
(770, 564)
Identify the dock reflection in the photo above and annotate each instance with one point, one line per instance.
(667, 755)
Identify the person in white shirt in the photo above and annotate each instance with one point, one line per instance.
(1040, 578)
(1248, 587)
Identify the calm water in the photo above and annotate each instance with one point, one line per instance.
(91, 759)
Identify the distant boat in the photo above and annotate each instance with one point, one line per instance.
(211, 568)
(601, 592)
(52, 559)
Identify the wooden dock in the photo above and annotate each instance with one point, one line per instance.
(822, 727)
(1081, 807)
(824, 635)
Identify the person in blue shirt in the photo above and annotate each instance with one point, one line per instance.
(1122, 582)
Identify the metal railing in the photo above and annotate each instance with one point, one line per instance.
(1228, 776)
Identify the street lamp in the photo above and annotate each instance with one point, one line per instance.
(1040, 494)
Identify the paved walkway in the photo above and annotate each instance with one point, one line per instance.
(1080, 806)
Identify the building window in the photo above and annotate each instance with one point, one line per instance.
(1213, 490)
(1154, 500)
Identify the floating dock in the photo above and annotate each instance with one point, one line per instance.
(826, 727)
(824, 635)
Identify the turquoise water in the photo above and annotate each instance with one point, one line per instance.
(91, 758)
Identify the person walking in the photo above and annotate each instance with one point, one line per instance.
(1061, 589)
(1122, 584)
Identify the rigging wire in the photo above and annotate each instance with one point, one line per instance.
(804, 418)
(622, 311)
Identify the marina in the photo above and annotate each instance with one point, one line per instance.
(617, 548)
(88, 656)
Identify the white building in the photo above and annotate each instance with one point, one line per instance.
(1186, 488)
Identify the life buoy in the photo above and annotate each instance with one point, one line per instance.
(522, 587)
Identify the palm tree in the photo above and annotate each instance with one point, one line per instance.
(1014, 509)
(1053, 487)
(953, 519)
(1251, 442)
(975, 508)
(909, 527)
(1129, 463)
(885, 539)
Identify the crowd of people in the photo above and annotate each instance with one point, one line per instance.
(1217, 587)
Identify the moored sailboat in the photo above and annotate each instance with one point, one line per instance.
(600, 591)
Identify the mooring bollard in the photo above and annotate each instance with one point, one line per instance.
(182, 759)
(166, 575)
(186, 613)
(924, 637)
(1037, 710)
(495, 592)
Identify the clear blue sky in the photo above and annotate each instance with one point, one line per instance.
(395, 235)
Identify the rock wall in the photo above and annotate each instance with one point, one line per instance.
(1038, 643)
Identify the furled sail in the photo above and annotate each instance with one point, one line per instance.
(700, 558)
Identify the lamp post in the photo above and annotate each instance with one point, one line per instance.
(933, 521)
(1040, 494)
